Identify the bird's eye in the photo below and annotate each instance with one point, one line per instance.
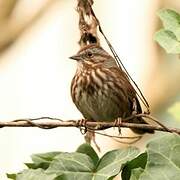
(89, 54)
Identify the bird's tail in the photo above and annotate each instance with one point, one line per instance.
(140, 120)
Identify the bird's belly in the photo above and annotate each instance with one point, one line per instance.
(100, 106)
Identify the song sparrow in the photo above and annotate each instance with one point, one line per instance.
(101, 90)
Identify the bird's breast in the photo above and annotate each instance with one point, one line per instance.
(100, 94)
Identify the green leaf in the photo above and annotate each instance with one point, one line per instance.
(38, 174)
(43, 165)
(72, 166)
(135, 175)
(138, 162)
(163, 161)
(88, 150)
(171, 21)
(83, 164)
(175, 110)
(42, 160)
(44, 157)
(11, 176)
(168, 41)
(112, 162)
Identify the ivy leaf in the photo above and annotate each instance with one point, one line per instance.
(11, 176)
(168, 41)
(169, 36)
(73, 161)
(42, 160)
(137, 163)
(82, 164)
(44, 157)
(88, 150)
(136, 173)
(163, 160)
(72, 166)
(112, 162)
(32, 174)
(171, 21)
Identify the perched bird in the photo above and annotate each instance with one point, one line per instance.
(101, 90)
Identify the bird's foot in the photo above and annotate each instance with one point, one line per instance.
(82, 126)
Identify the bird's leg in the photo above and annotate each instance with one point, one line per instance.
(90, 136)
(95, 143)
(117, 122)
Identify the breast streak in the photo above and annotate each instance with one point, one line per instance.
(97, 100)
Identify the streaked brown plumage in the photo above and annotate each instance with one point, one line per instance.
(102, 91)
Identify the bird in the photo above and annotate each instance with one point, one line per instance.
(101, 90)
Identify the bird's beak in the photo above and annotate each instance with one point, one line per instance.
(75, 57)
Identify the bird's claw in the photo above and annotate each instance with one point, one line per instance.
(82, 126)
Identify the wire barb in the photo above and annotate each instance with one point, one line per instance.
(50, 122)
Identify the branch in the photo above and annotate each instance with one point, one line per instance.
(11, 28)
(56, 122)
(6, 9)
(88, 24)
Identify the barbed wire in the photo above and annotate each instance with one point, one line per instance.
(50, 123)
